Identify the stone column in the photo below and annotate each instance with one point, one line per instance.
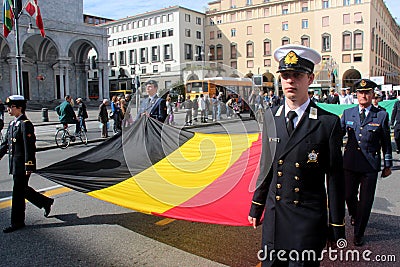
(104, 91)
(62, 89)
(13, 75)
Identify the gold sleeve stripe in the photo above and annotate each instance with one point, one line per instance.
(333, 224)
(257, 203)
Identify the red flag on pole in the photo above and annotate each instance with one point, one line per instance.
(33, 10)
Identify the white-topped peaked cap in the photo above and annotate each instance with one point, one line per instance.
(296, 58)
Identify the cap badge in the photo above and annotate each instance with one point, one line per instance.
(363, 83)
(312, 157)
(291, 58)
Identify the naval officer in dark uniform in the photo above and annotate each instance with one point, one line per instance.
(300, 214)
(20, 144)
(368, 132)
(153, 106)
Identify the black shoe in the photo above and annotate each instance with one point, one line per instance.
(358, 241)
(47, 208)
(13, 227)
(352, 221)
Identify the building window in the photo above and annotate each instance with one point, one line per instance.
(187, 17)
(304, 7)
(163, 33)
(304, 24)
(325, 21)
(233, 32)
(219, 20)
(188, 51)
(346, 2)
(143, 55)
(346, 18)
(132, 56)
(154, 54)
(326, 43)
(198, 34)
(155, 68)
(266, 12)
(158, 34)
(211, 35)
(144, 70)
(285, 26)
(233, 51)
(325, 3)
(234, 65)
(305, 40)
(233, 17)
(168, 52)
(358, 40)
(219, 34)
(212, 53)
(198, 21)
(187, 32)
(357, 58)
(267, 47)
(146, 36)
(249, 2)
(267, 62)
(358, 17)
(170, 32)
(167, 67)
(212, 22)
(285, 41)
(285, 10)
(357, 1)
(250, 49)
(346, 58)
(112, 73)
(122, 58)
(267, 28)
(249, 15)
(220, 55)
(249, 30)
(250, 63)
(346, 41)
(168, 84)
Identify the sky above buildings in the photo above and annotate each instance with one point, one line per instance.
(118, 9)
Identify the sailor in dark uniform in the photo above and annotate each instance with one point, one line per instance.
(300, 214)
(153, 106)
(20, 143)
(368, 132)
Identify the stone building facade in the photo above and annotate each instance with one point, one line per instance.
(56, 65)
(356, 38)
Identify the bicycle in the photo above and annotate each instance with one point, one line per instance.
(64, 138)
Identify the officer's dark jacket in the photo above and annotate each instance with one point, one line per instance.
(20, 144)
(366, 140)
(292, 190)
(156, 108)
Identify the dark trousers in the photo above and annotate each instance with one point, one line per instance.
(22, 191)
(360, 194)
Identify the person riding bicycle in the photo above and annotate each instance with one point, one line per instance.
(67, 115)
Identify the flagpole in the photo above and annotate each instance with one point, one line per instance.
(17, 48)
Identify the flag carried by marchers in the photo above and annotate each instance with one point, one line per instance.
(33, 10)
(8, 17)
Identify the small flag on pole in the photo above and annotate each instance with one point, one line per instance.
(8, 17)
(33, 10)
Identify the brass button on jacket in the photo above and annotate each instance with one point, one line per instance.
(297, 178)
(280, 174)
(296, 202)
(280, 162)
(278, 198)
(297, 165)
(296, 189)
(278, 186)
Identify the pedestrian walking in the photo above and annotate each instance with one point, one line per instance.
(291, 185)
(153, 106)
(368, 135)
(20, 143)
(103, 118)
(188, 106)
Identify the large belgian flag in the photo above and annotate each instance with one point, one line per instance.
(162, 170)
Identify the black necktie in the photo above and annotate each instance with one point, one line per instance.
(362, 115)
(290, 124)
